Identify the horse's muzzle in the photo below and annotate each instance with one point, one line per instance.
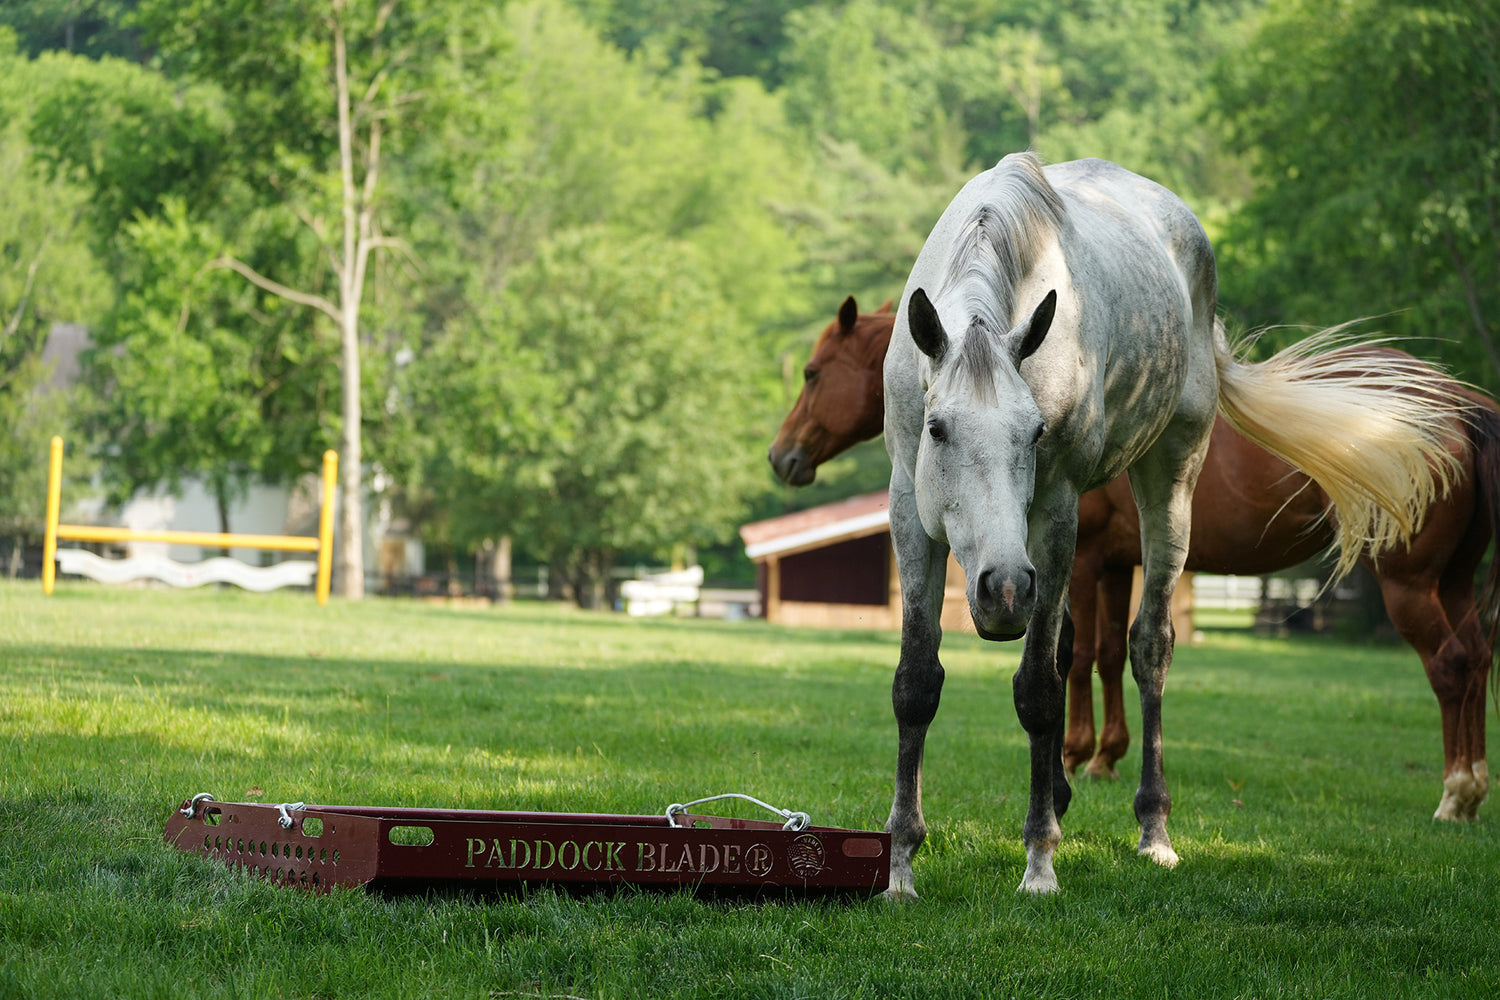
(792, 465)
(1000, 602)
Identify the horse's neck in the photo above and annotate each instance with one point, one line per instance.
(875, 340)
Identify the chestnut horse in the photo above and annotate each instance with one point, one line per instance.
(1276, 520)
(843, 395)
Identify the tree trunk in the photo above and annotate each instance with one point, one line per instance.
(591, 582)
(351, 285)
(351, 563)
(505, 589)
(583, 571)
(220, 501)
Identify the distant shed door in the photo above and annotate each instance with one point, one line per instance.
(852, 572)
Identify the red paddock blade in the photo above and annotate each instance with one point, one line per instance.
(404, 849)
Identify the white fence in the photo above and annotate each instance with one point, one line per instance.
(1239, 593)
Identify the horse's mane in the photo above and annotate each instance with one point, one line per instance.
(996, 247)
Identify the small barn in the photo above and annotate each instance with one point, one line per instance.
(833, 566)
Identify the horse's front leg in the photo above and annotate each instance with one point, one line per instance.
(923, 566)
(1039, 690)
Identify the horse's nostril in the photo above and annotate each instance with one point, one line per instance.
(993, 588)
(1003, 590)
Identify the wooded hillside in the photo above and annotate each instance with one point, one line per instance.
(550, 269)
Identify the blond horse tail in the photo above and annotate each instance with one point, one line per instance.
(1375, 429)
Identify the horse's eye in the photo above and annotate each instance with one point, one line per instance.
(1036, 438)
(938, 431)
(808, 374)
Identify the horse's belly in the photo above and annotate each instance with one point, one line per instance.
(1252, 513)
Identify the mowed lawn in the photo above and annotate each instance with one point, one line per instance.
(1304, 774)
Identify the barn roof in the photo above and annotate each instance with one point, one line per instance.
(817, 527)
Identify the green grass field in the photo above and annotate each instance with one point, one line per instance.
(1304, 775)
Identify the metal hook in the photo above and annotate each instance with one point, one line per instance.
(286, 817)
(191, 809)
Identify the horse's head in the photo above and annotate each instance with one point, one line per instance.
(841, 403)
(976, 461)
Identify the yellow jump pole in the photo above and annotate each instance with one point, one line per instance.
(54, 501)
(325, 525)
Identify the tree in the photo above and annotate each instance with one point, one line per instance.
(732, 37)
(599, 410)
(47, 276)
(86, 27)
(322, 96)
(1375, 132)
(193, 374)
(198, 374)
(866, 74)
(612, 151)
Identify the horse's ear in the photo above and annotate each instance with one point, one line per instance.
(848, 313)
(926, 329)
(1027, 339)
(885, 308)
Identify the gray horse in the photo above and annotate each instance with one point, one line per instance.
(1058, 329)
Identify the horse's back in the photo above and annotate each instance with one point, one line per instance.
(1143, 270)
(1135, 279)
(1143, 229)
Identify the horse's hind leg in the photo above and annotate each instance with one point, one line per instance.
(1078, 743)
(1423, 622)
(923, 566)
(1466, 783)
(1151, 639)
(1163, 483)
(1114, 620)
(1428, 590)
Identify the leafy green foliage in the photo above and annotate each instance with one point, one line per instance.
(1376, 141)
(47, 276)
(92, 28)
(616, 245)
(191, 374)
(604, 419)
(863, 73)
(732, 37)
(128, 136)
(197, 373)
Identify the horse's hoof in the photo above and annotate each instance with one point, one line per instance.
(1101, 770)
(1039, 883)
(1162, 854)
(1463, 792)
(1040, 879)
(1452, 810)
(900, 893)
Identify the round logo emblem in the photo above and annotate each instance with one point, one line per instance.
(805, 855)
